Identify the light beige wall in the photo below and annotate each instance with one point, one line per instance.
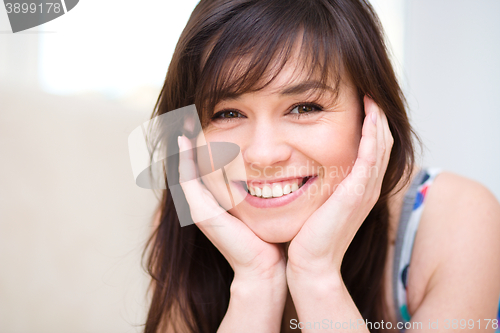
(72, 221)
(453, 79)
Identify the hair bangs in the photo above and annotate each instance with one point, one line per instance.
(246, 56)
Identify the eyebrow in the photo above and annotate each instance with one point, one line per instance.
(295, 89)
(304, 87)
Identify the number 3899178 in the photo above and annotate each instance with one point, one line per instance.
(464, 324)
(25, 7)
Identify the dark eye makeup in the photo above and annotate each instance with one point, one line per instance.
(297, 111)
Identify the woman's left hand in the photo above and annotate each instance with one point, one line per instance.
(318, 249)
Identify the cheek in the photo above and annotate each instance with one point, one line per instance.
(333, 147)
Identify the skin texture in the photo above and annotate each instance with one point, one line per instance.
(276, 144)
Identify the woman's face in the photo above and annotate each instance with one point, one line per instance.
(285, 137)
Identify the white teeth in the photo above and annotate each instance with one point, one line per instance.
(277, 190)
(266, 192)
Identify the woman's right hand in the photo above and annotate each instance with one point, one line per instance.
(258, 290)
(251, 258)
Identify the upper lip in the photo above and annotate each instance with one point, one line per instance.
(275, 180)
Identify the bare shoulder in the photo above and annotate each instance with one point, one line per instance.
(457, 249)
(460, 212)
(458, 204)
(460, 187)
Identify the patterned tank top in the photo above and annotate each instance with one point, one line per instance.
(413, 206)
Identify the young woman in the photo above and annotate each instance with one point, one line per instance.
(326, 238)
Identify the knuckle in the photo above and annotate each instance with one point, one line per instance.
(382, 147)
(371, 159)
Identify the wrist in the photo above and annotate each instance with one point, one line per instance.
(320, 282)
(254, 306)
(250, 288)
(269, 276)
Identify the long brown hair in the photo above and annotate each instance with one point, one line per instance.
(230, 47)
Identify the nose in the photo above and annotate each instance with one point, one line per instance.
(267, 146)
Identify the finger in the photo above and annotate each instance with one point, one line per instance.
(378, 171)
(367, 156)
(383, 150)
(380, 134)
(389, 142)
(219, 227)
(202, 204)
(187, 167)
(384, 146)
(367, 152)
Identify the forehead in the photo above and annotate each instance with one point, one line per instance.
(297, 74)
(298, 63)
(298, 79)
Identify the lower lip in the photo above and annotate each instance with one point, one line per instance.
(279, 201)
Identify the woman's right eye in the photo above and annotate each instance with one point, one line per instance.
(226, 115)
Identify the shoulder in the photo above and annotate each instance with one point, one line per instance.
(457, 204)
(460, 211)
(458, 187)
(457, 246)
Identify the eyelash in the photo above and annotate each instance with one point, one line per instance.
(216, 117)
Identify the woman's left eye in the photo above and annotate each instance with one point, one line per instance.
(301, 109)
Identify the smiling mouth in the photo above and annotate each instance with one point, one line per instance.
(275, 190)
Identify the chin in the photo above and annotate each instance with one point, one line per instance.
(276, 231)
(281, 238)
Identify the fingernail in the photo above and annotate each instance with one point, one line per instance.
(179, 143)
(374, 117)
